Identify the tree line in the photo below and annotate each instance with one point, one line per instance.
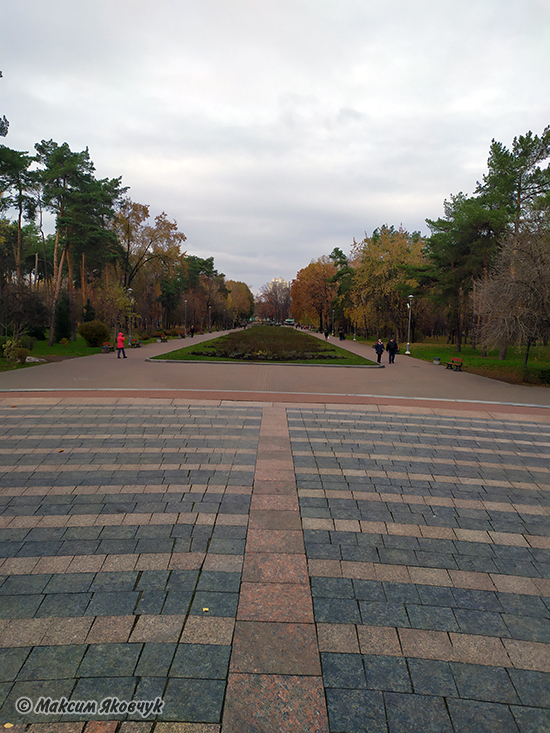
(484, 271)
(107, 257)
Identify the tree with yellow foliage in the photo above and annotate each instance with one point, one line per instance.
(313, 292)
(382, 279)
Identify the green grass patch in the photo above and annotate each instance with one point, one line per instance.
(509, 370)
(268, 344)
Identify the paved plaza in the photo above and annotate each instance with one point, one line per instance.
(266, 552)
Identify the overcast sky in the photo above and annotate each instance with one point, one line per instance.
(276, 130)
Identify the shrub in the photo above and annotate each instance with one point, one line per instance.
(27, 342)
(62, 319)
(36, 332)
(20, 355)
(94, 333)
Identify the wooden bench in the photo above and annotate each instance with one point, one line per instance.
(106, 347)
(164, 338)
(136, 344)
(455, 364)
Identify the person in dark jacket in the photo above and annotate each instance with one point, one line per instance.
(379, 348)
(392, 348)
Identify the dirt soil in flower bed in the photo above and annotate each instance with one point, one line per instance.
(268, 344)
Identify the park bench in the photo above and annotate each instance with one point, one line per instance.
(164, 338)
(455, 364)
(106, 347)
(136, 344)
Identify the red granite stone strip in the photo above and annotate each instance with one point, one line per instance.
(275, 682)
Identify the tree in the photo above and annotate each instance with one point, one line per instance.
(384, 266)
(142, 241)
(515, 298)
(4, 124)
(313, 292)
(516, 183)
(82, 206)
(273, 302)
(16, 182)
(458, 252)
(240, 301)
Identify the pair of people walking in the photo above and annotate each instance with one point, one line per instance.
(392, 348)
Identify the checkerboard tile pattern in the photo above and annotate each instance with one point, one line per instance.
(427, 540)
(122, 533)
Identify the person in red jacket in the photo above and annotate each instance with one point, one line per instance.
(120, 345)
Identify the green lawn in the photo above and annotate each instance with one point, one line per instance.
(511, 370)
(268, 344)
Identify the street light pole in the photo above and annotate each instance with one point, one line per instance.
(209, 319)
(333, 322)
(131, 294)
(185, 329)
(409, 306)
(355, 326)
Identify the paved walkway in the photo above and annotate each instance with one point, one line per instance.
(273, 565)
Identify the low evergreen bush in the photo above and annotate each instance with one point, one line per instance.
(94, 333)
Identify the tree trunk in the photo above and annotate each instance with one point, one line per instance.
(502, 352)
(55, 296)
(526, 357)
(72, 310)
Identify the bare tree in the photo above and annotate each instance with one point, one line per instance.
(514, 301)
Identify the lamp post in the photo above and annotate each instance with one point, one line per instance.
(131, 294)
(355, 326)
(185, 323)
(409, 306)
(333, 321)
(209, 319)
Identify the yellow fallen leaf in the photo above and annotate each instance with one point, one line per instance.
(8, 725)
(206, 609)
(60, 450)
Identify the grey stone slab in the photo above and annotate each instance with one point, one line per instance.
(194, 700)
(112, 604)
(21, 606)
(432, 677)
(24, 584)
(481, 717)
(155, 659)
(343, 671)
(11, 661)
(384, 614)
(387, 673)
(201, 661)
(332, 587)
(531, 720)
(115, 581)
(360, 711)
(110, 660)
(52, 662)
(63, 604)
(69, 583)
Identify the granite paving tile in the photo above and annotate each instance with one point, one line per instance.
(274, 704)
(275, 648)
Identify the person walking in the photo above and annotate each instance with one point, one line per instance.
(379, 348)
(120, 345)
(392, 348)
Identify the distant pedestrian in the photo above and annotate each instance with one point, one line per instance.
(326, 334)
(120, 345)
(392, 348)
(192, 329)
(341, 334)
(379, 348)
